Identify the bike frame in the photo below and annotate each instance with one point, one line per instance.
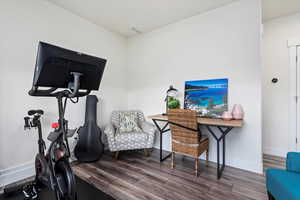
(60, 139)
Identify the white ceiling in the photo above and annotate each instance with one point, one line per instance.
(277, 8)
(144, 15)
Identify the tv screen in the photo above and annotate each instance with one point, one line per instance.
(55, 64)
(208, 97)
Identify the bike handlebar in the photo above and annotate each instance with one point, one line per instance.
(51, 93)
(35, 91)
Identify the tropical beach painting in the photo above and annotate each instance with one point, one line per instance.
(208, 97)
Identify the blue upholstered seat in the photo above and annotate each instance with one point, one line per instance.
(285, 184)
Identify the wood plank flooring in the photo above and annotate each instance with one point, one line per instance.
(155, 178)
(273, 162)
(136, 177)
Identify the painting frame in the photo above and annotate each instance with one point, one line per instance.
(208, 97)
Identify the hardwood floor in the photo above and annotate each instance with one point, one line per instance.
(136, 177)
(273, 162)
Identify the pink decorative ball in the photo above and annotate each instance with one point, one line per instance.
(227, 115)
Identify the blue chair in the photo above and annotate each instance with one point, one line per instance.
(285, 184)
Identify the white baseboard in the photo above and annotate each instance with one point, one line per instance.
(15, 174)
(275, 152)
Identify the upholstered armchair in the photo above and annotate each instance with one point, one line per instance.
(131, 140)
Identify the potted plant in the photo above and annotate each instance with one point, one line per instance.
(173, 103)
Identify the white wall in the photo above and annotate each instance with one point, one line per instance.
(23, 24)
(223, 43)
(276, 133)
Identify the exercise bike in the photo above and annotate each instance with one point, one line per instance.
(67, 75)
(53, 169)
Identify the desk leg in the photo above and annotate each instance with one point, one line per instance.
(161, 132)
(222, 138)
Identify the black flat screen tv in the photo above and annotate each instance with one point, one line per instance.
(54, 66)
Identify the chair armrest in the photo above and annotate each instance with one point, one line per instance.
(293, 162)
(148, 127)
(109, 131)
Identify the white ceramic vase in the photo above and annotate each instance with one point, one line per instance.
(238, 112)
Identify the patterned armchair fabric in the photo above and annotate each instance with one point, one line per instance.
(131, 140)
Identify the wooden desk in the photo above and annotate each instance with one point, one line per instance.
(223, 126)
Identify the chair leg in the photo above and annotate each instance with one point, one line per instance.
(116, 155)
(196, 166)
(207, 157)
(173, 160)
(146, 151)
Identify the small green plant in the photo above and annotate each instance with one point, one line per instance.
(173, 103)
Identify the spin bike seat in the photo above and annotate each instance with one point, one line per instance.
(33, 112)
